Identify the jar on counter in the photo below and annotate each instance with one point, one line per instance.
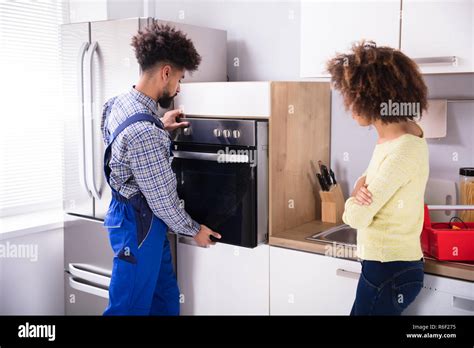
(466, 191)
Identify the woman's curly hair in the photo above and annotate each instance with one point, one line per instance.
(163, 43)
(369, 76)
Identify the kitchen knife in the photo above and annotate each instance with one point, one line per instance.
(322, 183)
(320, 163)
(326, 176)
(333, 176)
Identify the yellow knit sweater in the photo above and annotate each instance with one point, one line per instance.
(389, 228)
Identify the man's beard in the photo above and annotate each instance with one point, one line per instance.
(165, 100)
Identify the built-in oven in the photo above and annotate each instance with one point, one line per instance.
(221, 167)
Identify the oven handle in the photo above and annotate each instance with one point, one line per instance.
(214, 157)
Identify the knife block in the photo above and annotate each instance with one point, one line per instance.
(332, 204)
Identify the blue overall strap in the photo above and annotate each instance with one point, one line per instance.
(133, 119)
(130, 120)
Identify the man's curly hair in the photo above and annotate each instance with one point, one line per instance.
(162, 43)
(369, 76)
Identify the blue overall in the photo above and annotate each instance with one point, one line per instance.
(143, 280)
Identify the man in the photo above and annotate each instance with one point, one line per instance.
(137, 167)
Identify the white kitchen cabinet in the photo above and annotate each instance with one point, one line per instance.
(195, 99)
(443, 296)
(436, 30)
(328, 27)
(304, 283)
(223, 279)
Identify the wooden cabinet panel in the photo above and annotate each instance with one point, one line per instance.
(299, 133)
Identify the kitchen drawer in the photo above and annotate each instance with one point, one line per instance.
(223, 279)
(443, 296)
(304, 283)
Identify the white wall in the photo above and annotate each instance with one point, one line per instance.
(117, 9)
(86, 10)
(29, 286)
(263, 36)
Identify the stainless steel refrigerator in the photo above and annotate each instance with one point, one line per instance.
(98, 63)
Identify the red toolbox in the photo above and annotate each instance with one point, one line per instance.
(443, 242)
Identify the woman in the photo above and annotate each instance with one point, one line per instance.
(386, 206)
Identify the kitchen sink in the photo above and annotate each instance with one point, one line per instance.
(342, 234)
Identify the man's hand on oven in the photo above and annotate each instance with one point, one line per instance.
(203, 237)
(172, 120)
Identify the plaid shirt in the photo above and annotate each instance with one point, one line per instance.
(140, 161)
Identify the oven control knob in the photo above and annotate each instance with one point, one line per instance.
(187, 131)
(226, 133)
(236, 134)
(217, 132)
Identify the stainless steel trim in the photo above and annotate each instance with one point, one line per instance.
(446, 60)
(450, 207)
(82, 150)
(214, 157)
(143, 22)
(203, 131)
(90, 157)
(262, 182)
(90, 273)
(465, 304)
(76, 283)
(338, 235)
(347, 274)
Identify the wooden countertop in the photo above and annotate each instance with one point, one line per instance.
(296, 239)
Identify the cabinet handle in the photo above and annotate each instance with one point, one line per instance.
(347, 274)
(447, 60)
(214, 157)
(463, 303)
(451, 207)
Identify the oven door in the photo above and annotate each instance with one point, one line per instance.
(219, 194)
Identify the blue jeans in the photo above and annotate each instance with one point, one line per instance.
(387, 288)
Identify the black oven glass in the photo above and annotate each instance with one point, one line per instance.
(220, 196)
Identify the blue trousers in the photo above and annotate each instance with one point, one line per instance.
(387, 288)
(143, 280)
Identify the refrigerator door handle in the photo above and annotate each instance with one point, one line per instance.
(82, 150)
(90, 273)
(87, 288)
(90, 133)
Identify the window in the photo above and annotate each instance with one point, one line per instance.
(31, 127)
